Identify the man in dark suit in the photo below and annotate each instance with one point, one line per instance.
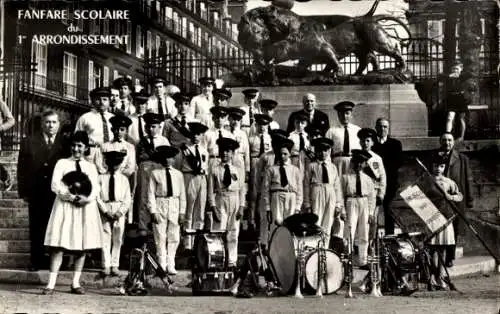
(391, 151)
(37, 159)
(317, 118)
(457, 169)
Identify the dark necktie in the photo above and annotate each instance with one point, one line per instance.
(111, 187)
(220, 134)
(325, 173)
(358, 184)
(152, 142)
(250, 114)
(141, 131)
(183, 121)
(123, 105)
(169, 182)
(447, 165)
(160, 106)
(77, 165)
(302, 145)
(261, 150)
(49, 143)
(226, 179)
(198, 156)
(283, 178)
(347, 147)
(105, 130)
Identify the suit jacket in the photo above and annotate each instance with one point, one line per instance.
(391, 152)
(36, 164)
(320, 120)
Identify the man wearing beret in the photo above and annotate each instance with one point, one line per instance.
(200, 105)
(96, 122)
(250, 108)
(160, 102)
(176, 130)
(124, 86)
(344, 137)
(316, 117)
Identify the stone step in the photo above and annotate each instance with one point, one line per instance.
(14, 260)
(14, 223)
(12, 194)
(14, 234)
(12, 203)
(13, 213)
(14, 246)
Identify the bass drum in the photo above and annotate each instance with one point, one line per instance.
(210, 252)
(283, 254)
(334, 277)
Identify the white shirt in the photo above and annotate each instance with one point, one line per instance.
(209, 140)
(245, 121)
(273, 125)
(254, 144)
(168, 105)
(133, 130)
(173, 134)
(199, 108)
(46, 138)
(91, 122)
(129, 106)
(336, 134)
(295, 138)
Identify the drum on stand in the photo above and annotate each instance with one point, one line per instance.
(333, 278)
(210, 252)
(400, 265)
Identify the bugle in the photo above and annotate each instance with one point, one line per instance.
(300, 266)
(349, 277)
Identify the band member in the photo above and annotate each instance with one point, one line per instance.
(145, 151)
(391, 151)
(176, 130)
(209, 141)
(322, 191)
(300, 142)
(114, 100)
(447, 236)
(160, 102)
(137, 129)
(260, 142)
(282, 187)
(359, 197)
(96, 122)
(221, 97)
(242, 154)
(345, 137)
(201, 104)
(317, 117)
(119, 127)
(226, 196)
(37, 159)
(375, 166)
(250, 108)
(125, 86)
(194, 165)
(457, 101)
(75, 223)
(167, 205)
(114, 202)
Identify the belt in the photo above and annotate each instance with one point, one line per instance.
(356, 196)
(213, 156)
(295, 155)
(245, 126)
(196, 173)
(282, 190)
(341, 155)
(254, 156)
(93, 145)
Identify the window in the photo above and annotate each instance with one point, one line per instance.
(105, 26)
(149, 43)
(176, 23)
(157, 46)
(115, 74)
(168, 17)
(39, 56)
(139, 52)
(191, 36)
(203, 11)
(95, 78)
(184, 27)
(137, 85)
(105, 77)
(69, 74)
(129, 40)
(198, 40)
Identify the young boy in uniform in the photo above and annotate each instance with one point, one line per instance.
(176, 130)
(114, 202)
(300, 142)
(145, 151)
(267, 107)
(193, 163)
(322, 192)
(226, 196)
(242, 154)
(209, 141)
(166, 202)
(359, 196)
(282, 186)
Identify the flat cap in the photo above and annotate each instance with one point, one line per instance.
(226, 143)
(197, 128)
(206, 80)
(218, 111)
(262, 119)
(153, 118)
(119, 82)
(81, 137)
(120, 120)
(344, 106)
(163, 152)
(322, 143)
(181, 97)
(280, 142)
(114, 157)
(367, 132)
(140, 97)
(235, 113)
(158, 79)
(78, 183)
(222, 93)
(100, 92)
(268, 104)
(301, 117)
(250, 92)
(360, 156)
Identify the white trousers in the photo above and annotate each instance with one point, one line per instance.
(228, 203)
(196, 201)
(323, 201)
(167, 232)
(357, 218)
(112, 241)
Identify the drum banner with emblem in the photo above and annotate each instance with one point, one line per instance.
(420, 205)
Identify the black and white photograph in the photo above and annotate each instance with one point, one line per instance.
(250, 156)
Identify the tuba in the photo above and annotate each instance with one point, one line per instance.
(349, 271)
(374, 261)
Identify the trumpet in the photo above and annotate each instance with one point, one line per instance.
(300, 265)
(374, 261)
(321, 267)
(349, 276)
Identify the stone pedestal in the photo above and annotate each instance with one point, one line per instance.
(398, 102)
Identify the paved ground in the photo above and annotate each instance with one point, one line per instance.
(481, 294)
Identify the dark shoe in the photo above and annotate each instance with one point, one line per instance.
(244, 294)
(430, 287)
(449, 264)
(114, 271)
(78, 290)
(47, 291)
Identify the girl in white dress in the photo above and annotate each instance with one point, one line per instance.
(75, 223)
(447, 236)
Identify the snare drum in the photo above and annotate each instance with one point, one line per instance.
(334, 277)
(210, 252)
(402, 250)
(283, 254)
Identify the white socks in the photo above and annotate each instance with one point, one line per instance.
(52, 280)
(76, 279)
